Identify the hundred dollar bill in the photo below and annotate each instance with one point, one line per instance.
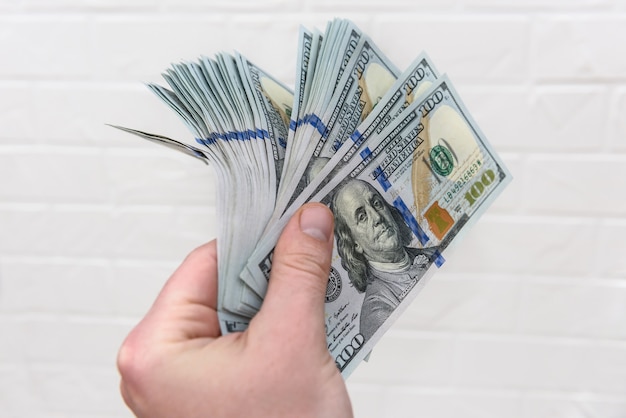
(411, 84)
(254, 97)
(308, 50)
(274, 100)
(367, 77)
(240, 114)
(212, 88)
(398, 204)
(168, 142)
(335, 50)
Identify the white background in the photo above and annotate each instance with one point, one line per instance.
(527, 320)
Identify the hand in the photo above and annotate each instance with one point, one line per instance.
(176, 364)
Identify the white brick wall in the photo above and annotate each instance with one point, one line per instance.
(526, 320)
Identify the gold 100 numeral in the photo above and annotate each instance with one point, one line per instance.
(479, 186)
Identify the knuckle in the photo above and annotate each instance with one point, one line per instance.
(127, 359)
(202, 252)
(132, 361)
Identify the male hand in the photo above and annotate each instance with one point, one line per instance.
(176, 364)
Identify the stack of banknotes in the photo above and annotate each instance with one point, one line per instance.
(395, 155)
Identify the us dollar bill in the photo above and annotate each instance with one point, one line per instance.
(410, 86)
(330, 58)
(309, 44)
(168, 142)
(275, 101)
(367, 77)
(399, 203)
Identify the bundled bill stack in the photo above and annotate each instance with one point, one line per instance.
(395, 155)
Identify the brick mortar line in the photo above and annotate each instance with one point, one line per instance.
(234, 14)
(108, 318)
(446, 390)
(114, 209)
(48, 365)
(123, 85)
(105, 262)
(504, 337)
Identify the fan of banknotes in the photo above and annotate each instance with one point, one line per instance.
(395, 155)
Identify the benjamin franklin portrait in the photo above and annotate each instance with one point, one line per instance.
(373, 243)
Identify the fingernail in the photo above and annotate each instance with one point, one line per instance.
(316, 222)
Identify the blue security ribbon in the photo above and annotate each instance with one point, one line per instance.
(439, 260)
(411, 221)
(366, 153)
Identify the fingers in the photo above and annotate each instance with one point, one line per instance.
(184, 311)
(182, 316)
(295, 298)
(195, 280)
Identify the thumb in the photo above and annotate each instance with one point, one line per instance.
(294, 302)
